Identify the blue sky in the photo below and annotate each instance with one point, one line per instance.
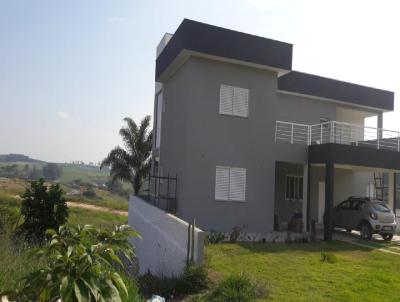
(70, 70)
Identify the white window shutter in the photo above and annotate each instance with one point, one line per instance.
(222, 183)
(225, 99)
(237, 184)
(241, 102)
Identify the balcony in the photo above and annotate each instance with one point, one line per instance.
(334, 132)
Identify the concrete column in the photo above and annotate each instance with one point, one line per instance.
(391, 189)
(329, 192)
(308, 198)
(380, 124)
(305, 197)
(395, 192)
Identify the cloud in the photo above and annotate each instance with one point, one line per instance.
(261, 5)
(63, 115)
(116, 20)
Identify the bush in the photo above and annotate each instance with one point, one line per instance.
(236, 288)
(89, 192)
(193, 280)
(79, 264)
(214, 237)
(8, 218)
(42, 208)
(328, 257)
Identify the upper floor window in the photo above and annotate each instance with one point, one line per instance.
(230, 183)
(234, 101)
(294, 187)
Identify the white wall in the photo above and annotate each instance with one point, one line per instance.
(163, 249)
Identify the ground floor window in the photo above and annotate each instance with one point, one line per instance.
(230, 183)
(294, 187)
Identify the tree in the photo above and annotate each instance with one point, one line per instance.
(35, 173)
(52, 171)
(131, 164)
(79, 264)
(42, 208)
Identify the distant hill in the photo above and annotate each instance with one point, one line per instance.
(9, 158)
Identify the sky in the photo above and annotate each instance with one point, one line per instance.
(71, 70)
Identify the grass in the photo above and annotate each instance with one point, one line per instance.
(96, 218)
(104, 199)
(84, 173)
(295, 272)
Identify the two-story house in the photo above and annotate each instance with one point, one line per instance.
(252, 142)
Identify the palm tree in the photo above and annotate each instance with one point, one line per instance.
(131, 164)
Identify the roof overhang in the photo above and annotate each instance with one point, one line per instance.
(354, 156)
(309, 85)
(212, 42)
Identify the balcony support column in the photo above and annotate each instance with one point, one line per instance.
(329, 194)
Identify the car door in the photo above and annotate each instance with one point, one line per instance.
(356, 213)
(342, 213)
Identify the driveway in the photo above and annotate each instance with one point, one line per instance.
(377, 243)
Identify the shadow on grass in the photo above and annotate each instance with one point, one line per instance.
(332, 246)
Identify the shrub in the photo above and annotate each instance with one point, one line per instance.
(328, 257)
(193, 280)
(42, 208)
(89, 192)
(214, 237)
(80, 264)
(8, 218)
(236, 288)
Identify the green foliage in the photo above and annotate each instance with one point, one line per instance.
(132, 164)
(9, 218)
(214, 237)
(80, 264)
(236, 288)
(42, 208)
(193, 280)
(328, 257)
(52, 171)
(89, 192)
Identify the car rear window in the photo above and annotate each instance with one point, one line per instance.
(381, 207)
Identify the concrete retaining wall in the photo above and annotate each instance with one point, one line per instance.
(163, 249)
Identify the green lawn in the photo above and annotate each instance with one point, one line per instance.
(295, 272)
(85, 174)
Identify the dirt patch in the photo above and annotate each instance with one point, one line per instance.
(95, 208)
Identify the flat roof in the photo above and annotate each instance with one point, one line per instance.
(221, 42)
(313, 85)
(196, 38)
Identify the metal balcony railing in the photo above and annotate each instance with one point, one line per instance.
(337, 133)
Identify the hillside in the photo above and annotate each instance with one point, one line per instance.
(12, 158)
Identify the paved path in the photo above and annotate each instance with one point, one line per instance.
(95, 208)
(377, 243)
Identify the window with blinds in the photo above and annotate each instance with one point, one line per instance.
(294, 187)
(230, 184)
(234, 101)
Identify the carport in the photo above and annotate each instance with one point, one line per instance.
(333, 156)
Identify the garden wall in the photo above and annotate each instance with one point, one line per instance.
(163, 249)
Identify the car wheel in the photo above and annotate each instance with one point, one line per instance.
(387, 237)
(365, 231)
(348, 230)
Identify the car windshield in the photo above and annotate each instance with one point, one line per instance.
(381, 207)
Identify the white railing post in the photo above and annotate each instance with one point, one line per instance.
(291, 136)
(321, 135)
(332, 125)
(309, 135)
(379, 134)
(398, 141)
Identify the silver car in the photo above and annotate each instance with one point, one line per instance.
(366, 215)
